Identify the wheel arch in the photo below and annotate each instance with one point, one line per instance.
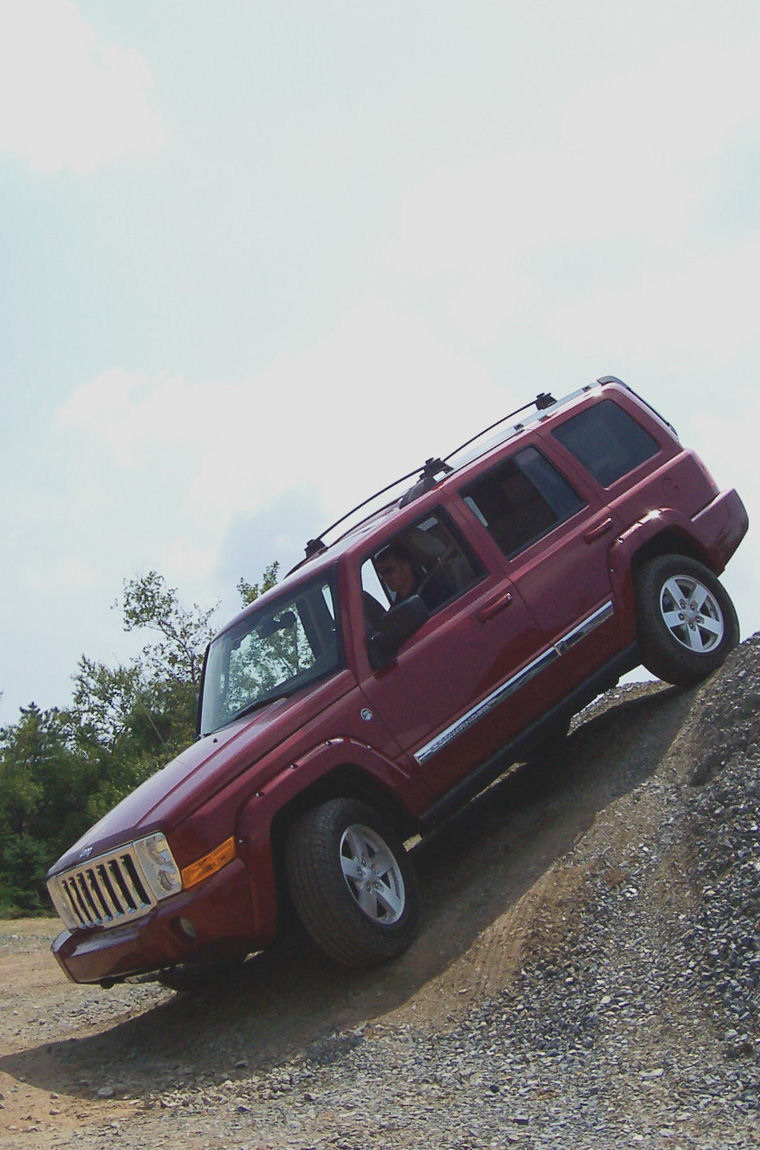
(347, 781)
(658, 534)
(267, 833)
(357, 910)
(669, 541)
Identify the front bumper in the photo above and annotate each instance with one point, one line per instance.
(211, 922)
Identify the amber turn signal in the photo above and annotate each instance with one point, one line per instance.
(209, 864)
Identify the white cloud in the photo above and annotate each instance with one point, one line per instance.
(68, 99)
(158, 469)
(145, 471)
(64, 571)
(694, 307)
(569, 211)
(624, 183)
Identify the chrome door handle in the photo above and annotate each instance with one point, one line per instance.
(495, 606)
(597, 531)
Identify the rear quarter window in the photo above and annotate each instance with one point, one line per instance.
(607, 441)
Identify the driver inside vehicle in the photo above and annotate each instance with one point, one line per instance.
(397, 569)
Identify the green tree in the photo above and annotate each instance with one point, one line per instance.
(249, 592)
(60, 771)
(102, 697)
(44, 784)
(147, 602)
(22, 884)
(132, 719)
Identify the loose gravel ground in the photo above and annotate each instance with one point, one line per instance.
(588, 977)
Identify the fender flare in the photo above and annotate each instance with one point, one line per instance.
(659, 521)
(254, 821)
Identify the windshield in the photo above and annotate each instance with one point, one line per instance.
(271, 653)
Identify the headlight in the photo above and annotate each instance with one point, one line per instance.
(158, 866)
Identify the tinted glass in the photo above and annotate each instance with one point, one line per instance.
(607, 441)
(522, 499)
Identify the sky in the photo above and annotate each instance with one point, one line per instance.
(257, 259)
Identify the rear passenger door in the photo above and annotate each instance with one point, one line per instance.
(554, 537)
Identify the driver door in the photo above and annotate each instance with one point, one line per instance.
(442, 695)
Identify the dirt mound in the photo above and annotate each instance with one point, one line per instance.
(588, 971)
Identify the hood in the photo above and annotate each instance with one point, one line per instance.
(169, 796)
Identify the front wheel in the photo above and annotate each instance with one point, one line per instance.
(686, 621)
(352, 883)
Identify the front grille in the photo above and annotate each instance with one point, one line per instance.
(107, 891)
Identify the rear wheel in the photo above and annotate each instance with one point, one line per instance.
(686, 621)
(352, 883)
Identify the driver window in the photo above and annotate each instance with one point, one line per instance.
(425, 560)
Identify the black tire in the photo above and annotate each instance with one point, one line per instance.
(352, 883)
(686, 621)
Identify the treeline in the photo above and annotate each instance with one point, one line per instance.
(62, 769)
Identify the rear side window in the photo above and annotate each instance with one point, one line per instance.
(521, 500)
(607, 441)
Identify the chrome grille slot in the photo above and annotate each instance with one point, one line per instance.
(115, 905)
(85, 900)
(136, 887)
(106, 891)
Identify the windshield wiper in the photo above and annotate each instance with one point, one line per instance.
(257, 704)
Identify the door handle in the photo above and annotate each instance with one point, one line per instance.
(597, 532)
(496, 605)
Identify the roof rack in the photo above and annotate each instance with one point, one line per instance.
(427, 475)
(314, 546)
(543, 401)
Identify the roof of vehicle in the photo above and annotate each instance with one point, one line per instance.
(427, 478)
(470, 455)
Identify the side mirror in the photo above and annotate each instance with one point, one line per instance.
(393, 630)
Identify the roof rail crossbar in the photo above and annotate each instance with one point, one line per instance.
(314, 546)
(426, 481)
(425, 476)
(542, 401)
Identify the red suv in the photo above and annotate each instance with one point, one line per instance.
(395, 673)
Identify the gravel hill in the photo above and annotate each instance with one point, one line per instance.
(588, 975)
